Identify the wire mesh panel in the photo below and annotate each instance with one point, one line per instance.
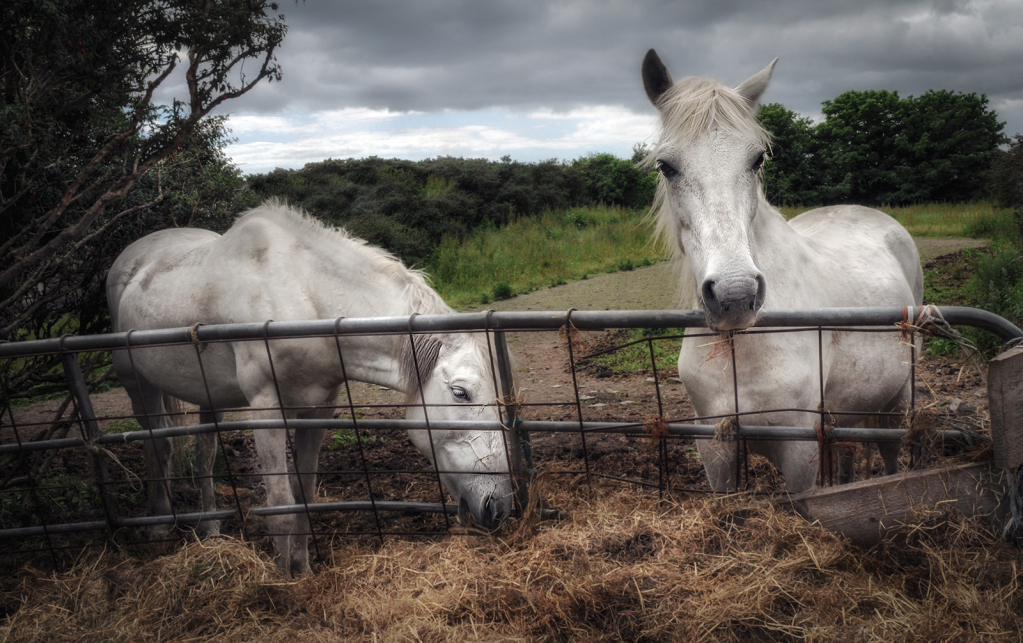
(73, 466)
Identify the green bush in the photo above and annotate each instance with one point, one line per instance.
(409, 207)
(1005, 178)
(503, 291)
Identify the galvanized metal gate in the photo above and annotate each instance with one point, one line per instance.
(107, 516)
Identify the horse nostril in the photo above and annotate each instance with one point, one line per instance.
(494, 513)
(709, 299)
(758, 299)
(492, 516)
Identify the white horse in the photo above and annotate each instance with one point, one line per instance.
(275, 263)
(738, 254)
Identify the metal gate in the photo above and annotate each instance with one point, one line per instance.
(95, 494)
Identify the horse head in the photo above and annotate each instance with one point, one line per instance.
(709, 155)
(458, 383)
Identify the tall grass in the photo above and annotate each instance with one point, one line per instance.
(981, 219)
(537, 252)
(566, 245)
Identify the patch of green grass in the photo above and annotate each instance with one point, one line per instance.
(55, 496)
(945, 278)
(341, 438)
(635, 358)
(947, 219)
(941, 347)
(974, 220)
(503, 291)
(122, 426)
(536, 252)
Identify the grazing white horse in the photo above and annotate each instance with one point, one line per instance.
(276, 263)
(739, 255)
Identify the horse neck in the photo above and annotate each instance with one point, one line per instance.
(390, 291)
(781, 254)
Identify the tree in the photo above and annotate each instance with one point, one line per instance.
(859, 140)
(1005, 178)
(948, 141)
(79, 129)
(877, 148)
(89, 162)
(614, 181)
(793, 175)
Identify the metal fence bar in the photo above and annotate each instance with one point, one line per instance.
(517, 442)
(506, 320)
(358, 435)
(677, 429)
(569, 328)
(279, 510)
(98, 466)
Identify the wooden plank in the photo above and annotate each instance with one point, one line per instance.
(1005, 396)
(865, 511)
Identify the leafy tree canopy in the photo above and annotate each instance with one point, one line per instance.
(874, 147)
(89, 162)
(79, 130)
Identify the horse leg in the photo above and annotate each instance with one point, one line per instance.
(890, 451)
(205, 455)
(307, 451)
(307, 461)
(272, 451)
(719, 462)
(148, 407)
(796, 459)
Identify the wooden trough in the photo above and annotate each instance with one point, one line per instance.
(865, 511)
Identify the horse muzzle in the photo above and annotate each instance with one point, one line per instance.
(489, 509)
(733, 301)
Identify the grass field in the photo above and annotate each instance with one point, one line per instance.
(563, 246)
(980, 219)
(538, 252)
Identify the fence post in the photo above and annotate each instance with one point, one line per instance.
(101, 477)
(519, 446)
(1005, 395)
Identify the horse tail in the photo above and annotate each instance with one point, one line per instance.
(182, 463)
(175, 410)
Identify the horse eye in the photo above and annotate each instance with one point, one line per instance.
(460, 393)
(667, 170)
(759, 163)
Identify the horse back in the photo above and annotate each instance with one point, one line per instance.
(868, 243)
(142, 273)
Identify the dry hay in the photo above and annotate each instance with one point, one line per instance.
(623, 567)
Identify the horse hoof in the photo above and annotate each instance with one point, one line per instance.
(209, 529)
(158, 532)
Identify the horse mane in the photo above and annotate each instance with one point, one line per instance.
(418, 296)
(689, 108)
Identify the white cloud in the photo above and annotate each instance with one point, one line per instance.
(302, 139)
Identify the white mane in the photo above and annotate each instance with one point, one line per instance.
(419, 296)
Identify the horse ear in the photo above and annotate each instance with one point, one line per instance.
(753, 87)
(656, 78)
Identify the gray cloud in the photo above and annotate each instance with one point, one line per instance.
(528, 54)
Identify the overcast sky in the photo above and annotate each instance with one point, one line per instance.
(538, 80)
